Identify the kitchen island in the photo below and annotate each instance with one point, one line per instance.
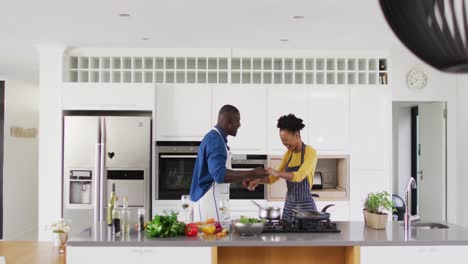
(354, 244)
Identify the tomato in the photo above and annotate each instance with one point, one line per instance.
(191, 230)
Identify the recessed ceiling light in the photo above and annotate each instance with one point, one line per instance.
(124, 15)
(298, 17)
(145, 38)
(284, 40)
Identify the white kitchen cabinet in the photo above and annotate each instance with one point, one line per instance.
(328, 119)
(362, 183)
(284, 100)
(414, 254)
(140, 255)
(371, 120)
(183, 112)
(99, 96)
(252, 104)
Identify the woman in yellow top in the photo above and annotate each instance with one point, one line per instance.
(297, 167)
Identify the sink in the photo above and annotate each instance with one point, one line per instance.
(420, 225)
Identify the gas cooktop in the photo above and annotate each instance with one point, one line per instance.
(299, 226)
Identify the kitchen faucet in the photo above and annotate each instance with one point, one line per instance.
(411, 184)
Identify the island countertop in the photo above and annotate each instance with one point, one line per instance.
(352, 234)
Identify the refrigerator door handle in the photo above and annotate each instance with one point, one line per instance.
(97, 181)
(102, 170)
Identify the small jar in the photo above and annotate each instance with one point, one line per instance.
(141, 219)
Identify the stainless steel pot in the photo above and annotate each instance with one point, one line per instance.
(269, 213)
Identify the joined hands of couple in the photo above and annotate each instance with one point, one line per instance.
(262, 178)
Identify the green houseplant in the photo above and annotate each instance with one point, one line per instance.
(376, 208)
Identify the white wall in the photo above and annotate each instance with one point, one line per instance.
(401, 148)
(440, 87)
(50, 138)
(20, 162)
(462, 148)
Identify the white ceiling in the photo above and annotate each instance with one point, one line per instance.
(328, 24)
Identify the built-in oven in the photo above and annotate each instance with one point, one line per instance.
(174, 168)
(247, 162)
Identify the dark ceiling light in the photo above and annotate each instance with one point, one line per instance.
(298, 17)
(434, 30)
(284, 40)
(124, 15)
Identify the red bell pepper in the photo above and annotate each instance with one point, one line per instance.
(191, 230)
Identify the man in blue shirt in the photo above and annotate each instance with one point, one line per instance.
(212, 173)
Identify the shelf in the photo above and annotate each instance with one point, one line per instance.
(191, 63)
(320, 64)
(298, 78)
(257, 63)
(288, 64)
(180, 64)
(237, 70)
(149, 63)
(331, 66)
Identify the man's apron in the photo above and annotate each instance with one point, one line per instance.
(208, 205)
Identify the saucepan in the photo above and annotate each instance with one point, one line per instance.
(268, 213)
(313, 216)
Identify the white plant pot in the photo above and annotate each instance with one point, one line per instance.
(59, 239)
(376, 221)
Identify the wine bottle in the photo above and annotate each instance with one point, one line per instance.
(110, 205)
(116, 218)
(125, 217)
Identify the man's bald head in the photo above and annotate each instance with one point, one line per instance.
(229, 119)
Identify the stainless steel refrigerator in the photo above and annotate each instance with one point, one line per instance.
(99, 151)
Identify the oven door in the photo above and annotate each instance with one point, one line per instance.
(240, 193)
(175, 174)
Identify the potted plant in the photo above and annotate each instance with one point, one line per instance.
(60, 231)
(376, 208)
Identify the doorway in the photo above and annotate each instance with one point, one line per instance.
(420, 152)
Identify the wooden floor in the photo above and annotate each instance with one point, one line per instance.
(281, 255)
(30, 252)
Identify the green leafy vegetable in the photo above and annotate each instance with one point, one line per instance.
(165, 226)
(247, 220)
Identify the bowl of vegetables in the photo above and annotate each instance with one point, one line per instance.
(246, 226)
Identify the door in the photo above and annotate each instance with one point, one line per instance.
(252, 104)
(183, 112)
(328, 109)
(432, 162)
(279, 104)
(128, 141)
(128, 157)
(80, 153)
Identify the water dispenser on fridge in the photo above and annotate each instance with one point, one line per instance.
(79, 188)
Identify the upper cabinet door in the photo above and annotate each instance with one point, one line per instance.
(252, 104)
(328, 123)
(371, 120)
(284, 100)
(183, 112)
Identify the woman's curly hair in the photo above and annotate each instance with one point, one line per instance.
(290, 122)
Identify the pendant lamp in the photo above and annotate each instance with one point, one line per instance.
(436, 31)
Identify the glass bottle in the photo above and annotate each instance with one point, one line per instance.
(110, 205)
(141, 219)
(125, 217)
(187, 209)
(116, 218)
